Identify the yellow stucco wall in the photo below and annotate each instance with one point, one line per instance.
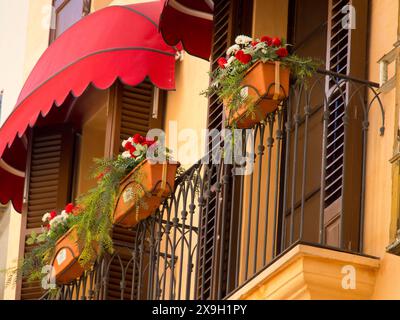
(384, 28)
(187, 110)
(13, 29)
(39, 20)
(272, 27)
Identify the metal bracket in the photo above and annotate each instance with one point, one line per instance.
(387, 84)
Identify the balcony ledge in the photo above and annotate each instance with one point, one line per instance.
(311, 273)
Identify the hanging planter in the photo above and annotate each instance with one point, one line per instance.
(142, 192)
(253, 78)
(65, 263)
(267, 84)
(56, 245)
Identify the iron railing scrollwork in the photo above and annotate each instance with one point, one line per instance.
(254, 218)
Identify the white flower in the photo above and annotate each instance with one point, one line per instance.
(233, 49)
(56, 221)
(230, 60)
(126, 154)
(215, 84)
(64, 215)
(243, 40)
(126, 141)
(46, 217)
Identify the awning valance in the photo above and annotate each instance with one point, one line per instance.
(189, 22)
(118, 42)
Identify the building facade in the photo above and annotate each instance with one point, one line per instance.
(317, 215)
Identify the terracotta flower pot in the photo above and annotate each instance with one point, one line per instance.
(65, 262)
(138, 201)
(259, 86)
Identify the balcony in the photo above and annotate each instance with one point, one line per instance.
(221, 230)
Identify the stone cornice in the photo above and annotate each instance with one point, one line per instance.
(307, 272)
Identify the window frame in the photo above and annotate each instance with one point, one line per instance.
(86, 7)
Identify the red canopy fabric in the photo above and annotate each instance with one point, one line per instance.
(189, 22)
(115, 42)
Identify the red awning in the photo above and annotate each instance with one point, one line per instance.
(118, 42)
(189, 22)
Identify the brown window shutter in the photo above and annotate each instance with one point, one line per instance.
(48, 187)
(346, 54)
(231, 18)
(132, 110)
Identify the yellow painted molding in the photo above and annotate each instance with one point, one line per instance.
(395, 197)
(311, 273)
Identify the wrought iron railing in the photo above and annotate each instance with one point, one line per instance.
(219, 229)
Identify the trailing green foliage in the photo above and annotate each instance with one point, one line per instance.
(93, 215)
(97, 206)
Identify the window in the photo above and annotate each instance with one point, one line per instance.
(65, 14)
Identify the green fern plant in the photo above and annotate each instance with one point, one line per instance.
(97, 206)
(93, 215)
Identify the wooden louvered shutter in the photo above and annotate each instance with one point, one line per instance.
(231, 18)
(346, 54)
(48, 187)
(322, 36)
(133, 110)
(308, 34)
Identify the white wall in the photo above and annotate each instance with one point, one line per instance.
(13, 29)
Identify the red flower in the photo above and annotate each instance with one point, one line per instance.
(137, 138)
(276, 42)
(129, 146)
(53, 214)
(132, 150)
(254, 43)
(222, 62)
(243, 57)
(47, 226)
(69, 208)
(267, 40)
(100, 176)
(282, 52)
